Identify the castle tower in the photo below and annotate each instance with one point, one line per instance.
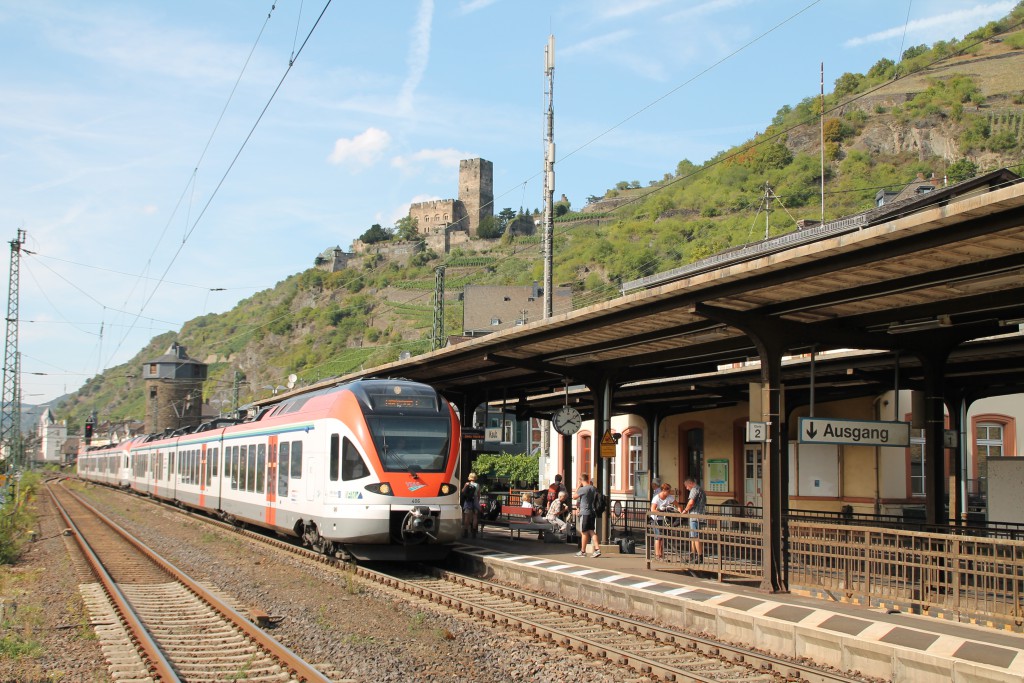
(476, 190)
(174, 390)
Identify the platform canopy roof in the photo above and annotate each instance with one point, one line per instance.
(866, 294)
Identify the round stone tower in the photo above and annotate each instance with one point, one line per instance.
(174, 390)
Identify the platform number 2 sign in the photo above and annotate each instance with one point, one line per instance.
(757, 432)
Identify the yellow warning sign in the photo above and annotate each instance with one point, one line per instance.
(608, 444)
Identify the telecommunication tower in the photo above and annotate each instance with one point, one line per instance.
(10, 419)
(549, 174)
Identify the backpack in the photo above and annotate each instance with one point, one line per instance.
(600, 503)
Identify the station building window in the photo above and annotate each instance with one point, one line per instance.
(585, 455)
(508, 432)
(994, 436)
(613, 470)
(636, 456)
(917, 468)
(691, 436)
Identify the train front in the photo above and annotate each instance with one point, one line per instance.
(416, 437)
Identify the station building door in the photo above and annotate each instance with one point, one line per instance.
(752, 454)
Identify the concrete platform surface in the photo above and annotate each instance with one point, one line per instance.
(893, 646)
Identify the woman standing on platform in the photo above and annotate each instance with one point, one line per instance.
(663, 501)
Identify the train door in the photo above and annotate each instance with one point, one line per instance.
(309, 472)
(752, 474)
(203, 465)
(270, 509)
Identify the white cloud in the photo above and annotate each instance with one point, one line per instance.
(470, 6)
(419, 55)
(706, 8)
(362, 150)
(447, 158)
(949, 24)
(597, 43)
(619, 9)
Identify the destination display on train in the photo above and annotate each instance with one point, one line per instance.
(855, 432)
(408, 402)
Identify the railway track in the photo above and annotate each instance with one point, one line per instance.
(643, 648)
(179, 629)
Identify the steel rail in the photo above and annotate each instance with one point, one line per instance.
(153, 656)
(758, 661)
(297, 666)
(763, 662)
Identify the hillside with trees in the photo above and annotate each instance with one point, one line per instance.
(952, 110)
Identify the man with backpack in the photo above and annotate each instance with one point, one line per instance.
(586, 494)
(470, 500)
(696, 504)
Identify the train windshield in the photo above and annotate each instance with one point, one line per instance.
(411, 444)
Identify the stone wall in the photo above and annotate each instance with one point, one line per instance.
(433, 216)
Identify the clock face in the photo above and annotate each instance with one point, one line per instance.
(566, 420)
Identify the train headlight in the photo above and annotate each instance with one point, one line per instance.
(382, 488)
(447, 489)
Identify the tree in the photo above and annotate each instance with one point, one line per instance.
(847, 83)
(489, 228)
(915, 51)
(780, 115)
(883, 68)
(507, 468)
(376, 234)
(832, 131)
(773, 156)
(407, 228)
(505, 216)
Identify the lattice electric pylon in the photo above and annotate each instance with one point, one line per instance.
(10, 419)
(437, 337)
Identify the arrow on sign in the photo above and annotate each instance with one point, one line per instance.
(811, 431)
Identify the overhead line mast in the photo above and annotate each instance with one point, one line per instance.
(10, 418)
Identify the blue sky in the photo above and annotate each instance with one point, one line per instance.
(165, 162)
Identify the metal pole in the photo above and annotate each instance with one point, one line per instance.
(10, 419)
(549, 175)
(822, 125)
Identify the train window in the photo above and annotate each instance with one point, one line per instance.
(241, 469)
(352, 465)
(261, 466)
(282, 470)
(406, 443)
(296, 460)
(227, 466)
(334, 457)
(250, 474)
(211, 468)
(195, 467)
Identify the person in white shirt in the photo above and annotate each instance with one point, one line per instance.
(663, 501)
(555, 509)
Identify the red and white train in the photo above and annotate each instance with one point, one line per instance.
(366, 469)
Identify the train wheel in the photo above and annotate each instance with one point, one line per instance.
(311, 537)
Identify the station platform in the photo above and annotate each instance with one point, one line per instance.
(876, 642)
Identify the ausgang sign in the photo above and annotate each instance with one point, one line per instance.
(856, 432)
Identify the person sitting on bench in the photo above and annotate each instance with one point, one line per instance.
(554, 513)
